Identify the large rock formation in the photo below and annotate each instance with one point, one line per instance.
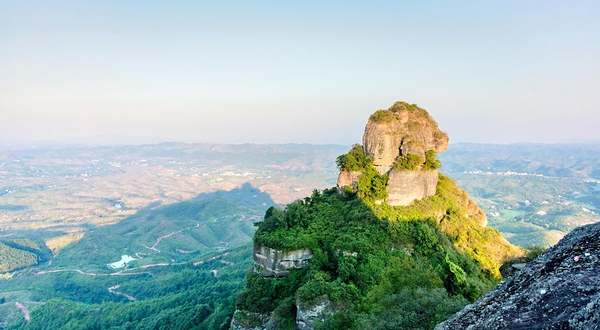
(270, 262)
(400, 130)
(348, 179)
(558, 290)
(275, 263)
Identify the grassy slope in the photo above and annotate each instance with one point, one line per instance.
(462, 220)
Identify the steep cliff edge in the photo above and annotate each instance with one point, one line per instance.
(276, 263)
(558, 290)
(398, 247)
(399, 144)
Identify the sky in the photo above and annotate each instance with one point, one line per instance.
(129, 72)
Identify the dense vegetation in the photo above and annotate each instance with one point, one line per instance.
(175, 291)
(410, 162)
(367, 259)
(354, 160)
(431, 161)
(382, 116)
(185, 297)
(12, 258)
(388, 115)
(413, 162)
(371, 185)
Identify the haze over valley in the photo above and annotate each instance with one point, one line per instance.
(276, 165)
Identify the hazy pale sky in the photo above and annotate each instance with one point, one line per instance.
(301, 71)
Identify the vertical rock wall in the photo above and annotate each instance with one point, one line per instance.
(275, 263)
(405, 187)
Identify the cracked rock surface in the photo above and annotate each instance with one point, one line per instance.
(558, 290)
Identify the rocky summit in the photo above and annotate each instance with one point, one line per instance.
(401, 143)
(558, 290)
(402, 129)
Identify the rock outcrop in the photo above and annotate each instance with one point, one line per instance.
(558, 290)
(243, 320)
(275, 263)
(348, 179)
(307, 318)
(400, 130)
(404, 187)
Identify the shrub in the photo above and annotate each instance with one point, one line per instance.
(412, 309)
(372, 185)
(535, 251)
(354, 160)
(431, 161)
(409, 162)
(382, 116)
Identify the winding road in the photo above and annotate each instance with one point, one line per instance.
(113, 290)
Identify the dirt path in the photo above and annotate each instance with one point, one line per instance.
(119, 273)
(23, 309)
(124, 272)
(158, 240)
(113, 290)
(210, 259)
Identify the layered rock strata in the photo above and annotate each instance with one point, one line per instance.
(275, 263)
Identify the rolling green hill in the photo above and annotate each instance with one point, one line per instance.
(173, 233)
(187, 259)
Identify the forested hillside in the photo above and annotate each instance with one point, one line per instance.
(186, 296)
(181, 265)
(12, 258)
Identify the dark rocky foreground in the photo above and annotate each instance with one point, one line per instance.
(558, 290)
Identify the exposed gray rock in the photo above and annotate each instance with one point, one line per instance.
(308, 317)
(405, 187)
(243, 320)
(276, 263)
(519, 266)
(558, 290)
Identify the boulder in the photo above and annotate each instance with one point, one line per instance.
(405, 186)
(244, 320)
(276, 263)
(348, 179)
(308, 317)
(558, 290)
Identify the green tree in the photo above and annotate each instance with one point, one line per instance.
(409, 162)
(354, 160)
